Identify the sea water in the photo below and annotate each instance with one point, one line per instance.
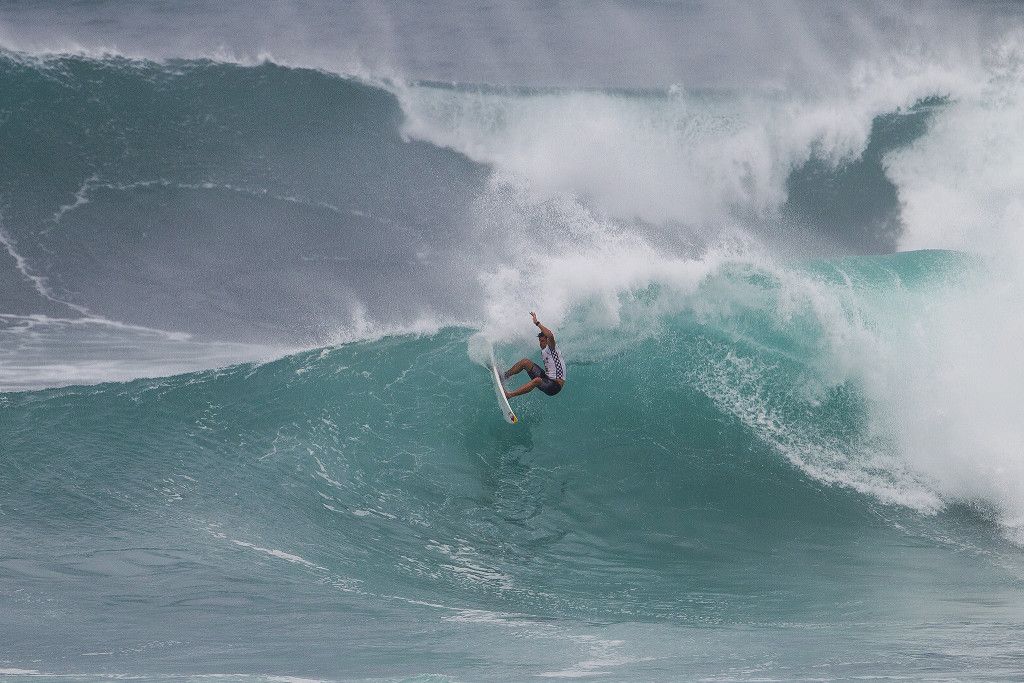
(255, 261)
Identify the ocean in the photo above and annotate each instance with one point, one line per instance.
(255, 259)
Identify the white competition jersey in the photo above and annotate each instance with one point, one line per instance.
(554, 368)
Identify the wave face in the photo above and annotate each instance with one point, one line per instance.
(246, 300)
(700, 479)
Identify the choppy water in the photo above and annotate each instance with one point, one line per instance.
(245, 427)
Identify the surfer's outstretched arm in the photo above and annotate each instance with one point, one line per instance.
(543, 328)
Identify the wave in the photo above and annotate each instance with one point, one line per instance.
(762, 390)
(784, 265)
(243, 206)
(767, 411)
(162, 188)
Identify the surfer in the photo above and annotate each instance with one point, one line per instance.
(551, 378)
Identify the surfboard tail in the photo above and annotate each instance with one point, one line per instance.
(499, 391)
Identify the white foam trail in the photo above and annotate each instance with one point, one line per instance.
(37, 351)
(39, 282)
(361, 328)
(93, 183)
(280, 554)
(81, 198)
(34, 320)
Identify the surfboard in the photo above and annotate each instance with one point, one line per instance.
(499, 390)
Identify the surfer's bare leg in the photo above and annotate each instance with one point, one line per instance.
(524, 364)
(528, 387)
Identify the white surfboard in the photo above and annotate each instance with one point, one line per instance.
(499, 390)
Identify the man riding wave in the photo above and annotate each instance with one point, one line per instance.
(551, 378)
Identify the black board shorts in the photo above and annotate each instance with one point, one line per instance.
(547, 385)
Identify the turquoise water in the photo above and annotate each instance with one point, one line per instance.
(363, 511)
(253, 263)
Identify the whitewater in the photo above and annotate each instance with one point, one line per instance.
(255, 259)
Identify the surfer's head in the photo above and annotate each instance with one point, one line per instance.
(542, 339)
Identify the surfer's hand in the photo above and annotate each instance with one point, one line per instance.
(534, 316)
